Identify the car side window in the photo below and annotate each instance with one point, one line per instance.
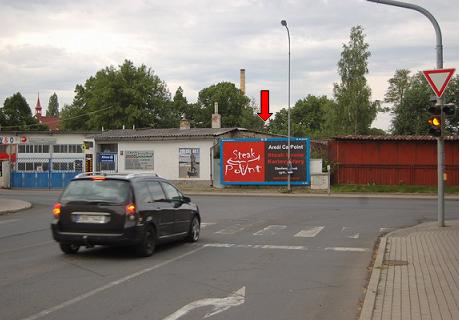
(171, 192)
(141, 191)
(156, 191)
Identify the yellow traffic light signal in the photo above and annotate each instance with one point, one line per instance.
(435, 125)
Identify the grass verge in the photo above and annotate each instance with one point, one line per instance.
(391, 188)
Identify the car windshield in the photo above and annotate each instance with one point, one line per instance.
(113, 191)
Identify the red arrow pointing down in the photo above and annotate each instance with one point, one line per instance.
(264, 113)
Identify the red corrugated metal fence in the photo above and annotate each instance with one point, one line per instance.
(391, 160)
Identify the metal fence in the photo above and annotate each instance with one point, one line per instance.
(45, 173)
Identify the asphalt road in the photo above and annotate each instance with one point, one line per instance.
(258, 258)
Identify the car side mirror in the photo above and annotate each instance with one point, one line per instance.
(186, 199)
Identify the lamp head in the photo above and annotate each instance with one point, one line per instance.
(284, 23)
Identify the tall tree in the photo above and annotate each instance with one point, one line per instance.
(355, 112)
(53, 106)
(18, 116)
(128, 95)
(234, 107)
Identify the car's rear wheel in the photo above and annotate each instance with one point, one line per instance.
(194, 232)
(147, 247)
(69, 248)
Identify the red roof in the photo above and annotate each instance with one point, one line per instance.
(51, 122)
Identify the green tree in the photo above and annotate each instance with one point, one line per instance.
(410, 96)
(278, 122)
(399, 85)
(451, 96)
(53, 106)
(127, 96)
(354, 112)
(17, 115)
(181, 108)
(234, 107)
(308, 118)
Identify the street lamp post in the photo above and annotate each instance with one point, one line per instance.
(289, 166)
(439, 65)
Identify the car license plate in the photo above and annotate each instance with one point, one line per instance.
(91, 219)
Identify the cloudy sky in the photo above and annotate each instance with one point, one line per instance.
(51, 46)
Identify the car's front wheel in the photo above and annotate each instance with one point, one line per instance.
(147, 247)
(69, 248)
(194, 232)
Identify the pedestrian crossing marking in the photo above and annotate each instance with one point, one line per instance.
(232, 229)
(270, 230)
(349, 234)
(309, 232)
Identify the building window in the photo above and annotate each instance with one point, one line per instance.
(67, 148)
(33, 148)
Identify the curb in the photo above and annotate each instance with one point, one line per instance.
(25, 205)
(371, 291)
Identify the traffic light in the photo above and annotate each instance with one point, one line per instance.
(435, 125)
(449, 109)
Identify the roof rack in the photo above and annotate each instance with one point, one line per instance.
(137, 174)
(128, 175)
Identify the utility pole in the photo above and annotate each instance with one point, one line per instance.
(439, 65)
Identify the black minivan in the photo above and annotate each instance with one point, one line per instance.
(141, 210)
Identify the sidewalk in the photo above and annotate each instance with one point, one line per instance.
(415, 275)
(12, 205)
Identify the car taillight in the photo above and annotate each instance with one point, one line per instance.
(98, 178)
(57, 210)
(131, 209)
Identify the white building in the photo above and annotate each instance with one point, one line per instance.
(178, 154)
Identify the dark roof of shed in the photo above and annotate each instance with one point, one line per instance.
(393, 138)
(153, 134)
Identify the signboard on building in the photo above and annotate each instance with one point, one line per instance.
(189, 162)
(264, 161)
(106, 157)
(139, 160)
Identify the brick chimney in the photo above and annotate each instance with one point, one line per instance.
(243, 80)
(184, 124)
(216, 118)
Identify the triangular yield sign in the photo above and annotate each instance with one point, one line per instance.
(438, 79)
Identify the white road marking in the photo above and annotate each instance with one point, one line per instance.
(220, 304)
(254, 246)
(112, 284)
(270, 230)
(9, 221)
(232, 229)
(345, 249)
(349, 233)
(206, 224)
(309, 232)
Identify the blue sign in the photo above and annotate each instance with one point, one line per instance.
(106, 157)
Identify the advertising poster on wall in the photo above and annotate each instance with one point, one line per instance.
(189, 162)
(139, 160)
(264, 161)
